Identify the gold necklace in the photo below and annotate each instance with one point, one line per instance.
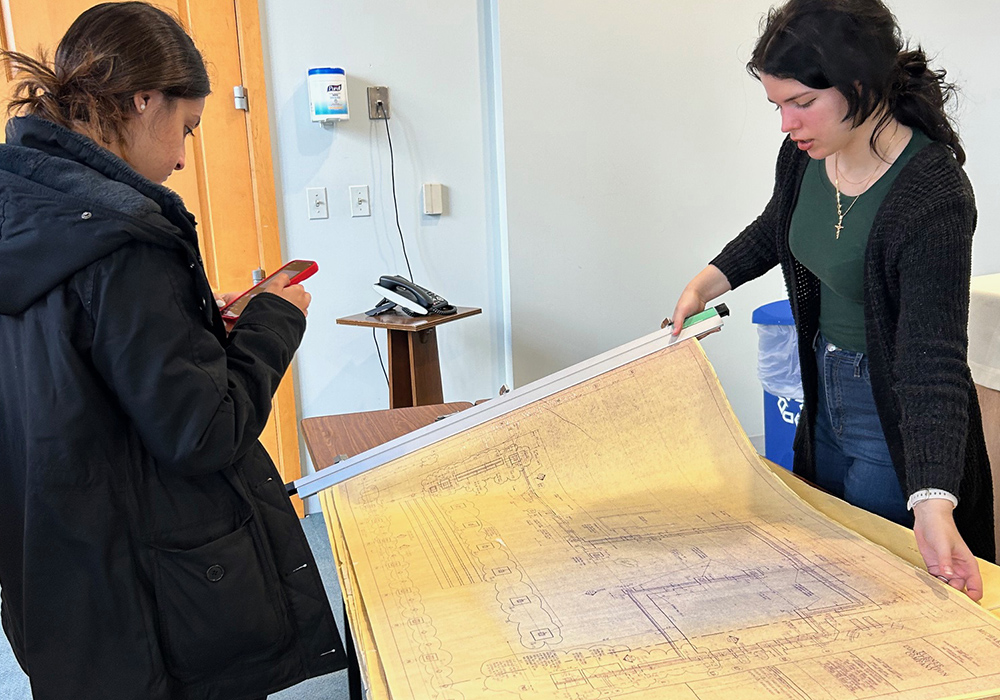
(839, 226)
(852, 182)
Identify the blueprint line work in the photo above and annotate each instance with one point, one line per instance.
(620, 538)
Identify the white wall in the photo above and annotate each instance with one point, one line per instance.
(636, 146)
(961, 37)
(435, 64)
(595, 159)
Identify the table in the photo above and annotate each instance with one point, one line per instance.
(349, 434)
(414, 367)
(984, 361)
(330, 437)
(333, 438)
(984, 331)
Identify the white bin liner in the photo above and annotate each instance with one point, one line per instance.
(778, 361)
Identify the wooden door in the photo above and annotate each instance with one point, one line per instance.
(228, 183)
(31, 27)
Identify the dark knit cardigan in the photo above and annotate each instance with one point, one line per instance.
(917, 270)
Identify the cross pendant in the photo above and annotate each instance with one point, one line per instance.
(839, 228)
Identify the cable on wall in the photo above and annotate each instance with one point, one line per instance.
(392, 171)
(395, 205)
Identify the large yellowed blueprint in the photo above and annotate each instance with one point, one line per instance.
(622, 539)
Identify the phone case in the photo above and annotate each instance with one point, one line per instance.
(297, 270)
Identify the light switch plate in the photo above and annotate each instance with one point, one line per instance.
(360, 203)
(317, 203)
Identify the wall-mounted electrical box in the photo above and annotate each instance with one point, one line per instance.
(433, 199)
(327, 94)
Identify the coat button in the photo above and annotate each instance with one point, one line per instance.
(215, 573)
(86, 215)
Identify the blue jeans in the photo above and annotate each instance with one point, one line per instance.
(852, 457)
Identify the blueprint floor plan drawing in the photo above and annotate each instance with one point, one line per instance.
(621, 539)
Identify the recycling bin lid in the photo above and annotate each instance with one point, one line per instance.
(777, 313)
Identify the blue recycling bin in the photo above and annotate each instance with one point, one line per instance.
(778, 370)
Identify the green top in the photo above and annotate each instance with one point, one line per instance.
(839, 263)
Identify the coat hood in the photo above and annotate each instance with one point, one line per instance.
(65, 203)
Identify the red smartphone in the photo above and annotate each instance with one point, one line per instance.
(297, 270)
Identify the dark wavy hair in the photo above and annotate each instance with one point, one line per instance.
(856, 47)
(110, 52)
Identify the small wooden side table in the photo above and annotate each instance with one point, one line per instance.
(414, 366)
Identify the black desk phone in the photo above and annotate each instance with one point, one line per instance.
(411, 298)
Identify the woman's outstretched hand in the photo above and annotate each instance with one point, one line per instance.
(943, 549)
(707, 284)
(689, 304)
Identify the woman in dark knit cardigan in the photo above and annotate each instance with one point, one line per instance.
(871, 221)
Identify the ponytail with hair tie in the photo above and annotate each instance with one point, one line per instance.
(918, 97)
(912, 63)
(912, 74)
(109, 53)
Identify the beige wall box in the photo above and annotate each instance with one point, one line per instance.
(433, 199)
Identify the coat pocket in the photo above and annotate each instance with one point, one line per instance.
(217, 604)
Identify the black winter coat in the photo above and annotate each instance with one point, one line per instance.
(148, 549)
(917, 269)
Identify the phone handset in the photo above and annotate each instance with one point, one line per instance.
(411, 298)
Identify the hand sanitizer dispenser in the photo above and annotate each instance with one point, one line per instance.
(327, 94)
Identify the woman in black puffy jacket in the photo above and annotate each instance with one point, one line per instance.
(148, 549)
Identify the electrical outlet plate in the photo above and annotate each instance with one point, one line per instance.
(375, 94)
(317, 203)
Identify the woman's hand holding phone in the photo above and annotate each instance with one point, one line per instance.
(224, 299)
(280, 283)
(294, 293)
